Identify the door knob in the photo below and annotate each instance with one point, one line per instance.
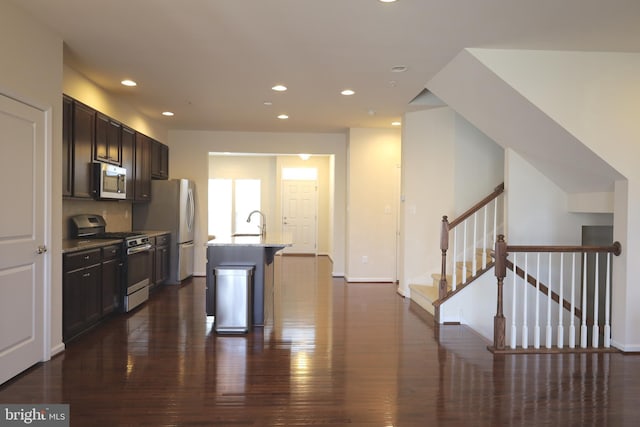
(41, 249)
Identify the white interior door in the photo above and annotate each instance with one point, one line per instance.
(299, 215)
(22, 237)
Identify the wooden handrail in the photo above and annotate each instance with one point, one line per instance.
(475, 208)
(615, 248)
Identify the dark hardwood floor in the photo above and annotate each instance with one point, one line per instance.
(333, 354)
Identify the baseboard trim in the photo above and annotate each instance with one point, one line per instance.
(57, 349)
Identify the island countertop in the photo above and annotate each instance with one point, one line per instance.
(269, 240)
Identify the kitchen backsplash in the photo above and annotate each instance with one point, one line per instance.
(117, 215)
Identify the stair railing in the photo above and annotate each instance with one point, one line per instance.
(584, 305)
(486, 211)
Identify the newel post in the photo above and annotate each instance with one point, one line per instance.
(444, 246)
(499, 322)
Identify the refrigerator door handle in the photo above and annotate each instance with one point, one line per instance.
(191, 210)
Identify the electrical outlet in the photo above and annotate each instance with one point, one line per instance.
(365, 259)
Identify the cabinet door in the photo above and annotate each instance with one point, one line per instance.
(93, 293)
(159, 160)
(110, 285)
(81, 300)
(142, 183)
(73, 317)
(83, 141)
(107, 140)
(128, 139)
(67, 146)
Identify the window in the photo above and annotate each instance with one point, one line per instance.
(230, 202)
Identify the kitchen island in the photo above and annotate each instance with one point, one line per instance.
(246, 250)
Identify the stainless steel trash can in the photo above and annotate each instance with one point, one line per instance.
(234, 297)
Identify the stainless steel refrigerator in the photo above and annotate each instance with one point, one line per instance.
(172, 208)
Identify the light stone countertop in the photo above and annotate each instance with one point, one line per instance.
(269, 240)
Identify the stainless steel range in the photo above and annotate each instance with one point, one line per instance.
(136, 260)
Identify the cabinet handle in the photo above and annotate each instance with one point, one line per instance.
(86, 275)
(86, 257)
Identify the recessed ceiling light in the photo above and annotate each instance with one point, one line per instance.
(304, 156)
(267, 103)
(396, 123)
(283, 117)
(129, 83)
(279, 88)
(387, 1)
(347, 92)
(399, 69)
(167, 113)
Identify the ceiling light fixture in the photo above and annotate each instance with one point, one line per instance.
(396, 123)
(304, 156)
(347, 92)
(129, 83)
(279, 88)
(399, 69)
(168, 113)
(283, 117)
(387, 1)
(267, 103)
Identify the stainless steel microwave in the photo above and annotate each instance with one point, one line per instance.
(111, 181)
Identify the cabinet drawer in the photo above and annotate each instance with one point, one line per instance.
(163, 240)
(77, 260)
(111, 252)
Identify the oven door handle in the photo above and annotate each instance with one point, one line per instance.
(138, 249)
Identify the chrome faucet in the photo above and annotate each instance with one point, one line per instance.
(263, 226)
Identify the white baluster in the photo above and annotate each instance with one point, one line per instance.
(513, 302)
(484, 240)
(595, 334)
(474, 263)
(525, 328)
(495, 219)
(464, 253)
(536, 330)
(454, 274)
(583, 327)
(561, 306)
(572, 326)
(607, 302)
(548, 333)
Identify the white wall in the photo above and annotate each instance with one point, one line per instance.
(372, 203)
(428, 147)
(188, 158)
(32, 73)
(479, 165)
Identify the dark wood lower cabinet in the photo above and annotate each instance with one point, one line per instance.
(91, 288)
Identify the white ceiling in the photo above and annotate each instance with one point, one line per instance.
(213, 62)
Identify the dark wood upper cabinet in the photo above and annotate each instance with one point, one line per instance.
(128, 158)
(83, 142)
(108, 143)
(142, 173)
(159, 160)
(67, 146)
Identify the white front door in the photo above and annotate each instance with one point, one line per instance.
(22, 237)
(299, 215)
